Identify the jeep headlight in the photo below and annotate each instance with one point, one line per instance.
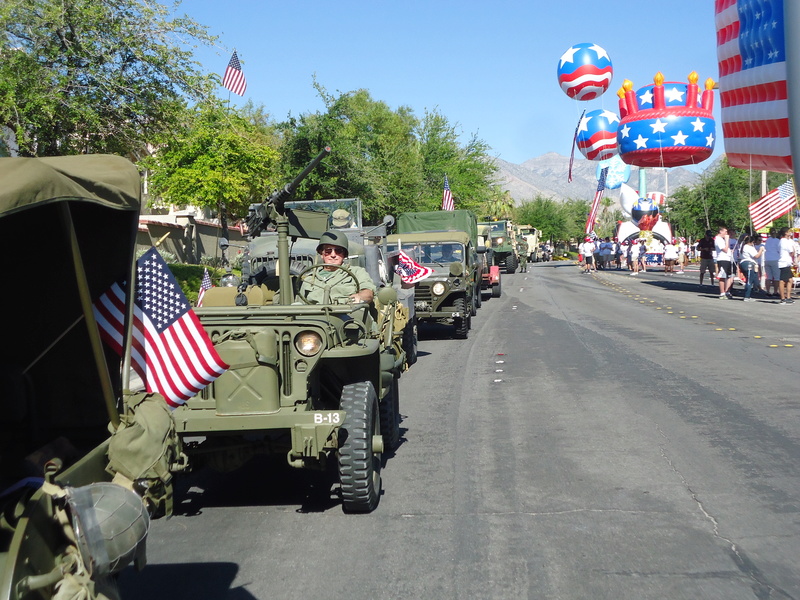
(438, 288)
(500, 241)
(308, 343)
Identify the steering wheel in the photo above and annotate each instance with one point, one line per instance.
(307, 270)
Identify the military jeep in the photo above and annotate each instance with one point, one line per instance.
(504, 244)
(314, 382)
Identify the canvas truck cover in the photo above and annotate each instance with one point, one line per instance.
(440, 220)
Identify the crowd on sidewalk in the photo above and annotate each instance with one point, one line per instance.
(769, 268)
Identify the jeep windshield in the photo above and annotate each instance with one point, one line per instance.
(438, 254)
(343, 213)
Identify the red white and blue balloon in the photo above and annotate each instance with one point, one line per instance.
(597, 134)
(585, 71)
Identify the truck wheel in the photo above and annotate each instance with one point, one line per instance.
(359, 464)
(410, 341)
(462, 323)
(478, 297)
(473, 306)
(390, 416)
(511, 263)
(496, 289)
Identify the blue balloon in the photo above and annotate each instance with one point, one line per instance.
(618, 172)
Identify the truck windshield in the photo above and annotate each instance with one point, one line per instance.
(434, 253)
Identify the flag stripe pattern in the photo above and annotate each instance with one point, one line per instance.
(601, 186)
(205, 284)
(751, 52)
(170, 350)
(773, 205)
(234, 79)
(447, 196)
(410, 271)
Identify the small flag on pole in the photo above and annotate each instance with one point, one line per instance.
(773, 205)
(601, 185)
(447, 196)
(234, 79)
(409, 270)
(205, 284)
(171, 351)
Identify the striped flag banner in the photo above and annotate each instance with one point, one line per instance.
(171, 351)
(447, 196)
(751, 52)
(234, 80)
(773, 205)
(601, 186)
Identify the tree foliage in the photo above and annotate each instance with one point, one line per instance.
(217, 156)
(390, 159)
(79, 76)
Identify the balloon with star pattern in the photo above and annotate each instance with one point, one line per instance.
(585, 71)
(597, 134)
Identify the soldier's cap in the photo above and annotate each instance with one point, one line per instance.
(334, 238)
(341, 217)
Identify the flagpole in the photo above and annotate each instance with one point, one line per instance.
(791, 35)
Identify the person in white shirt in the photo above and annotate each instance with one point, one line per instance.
(749, 257)
(724, 263)
(785, 262)
(634, 254)
(587, 249)
(670, 256)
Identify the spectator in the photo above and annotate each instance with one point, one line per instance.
(772, 253)
(643, 257)
(606, 249)
(748, 263)
(634, 256)
(706, 249)
(670, 256)
(722, 246)
(682, 257)
(785, 264)
(587, 249)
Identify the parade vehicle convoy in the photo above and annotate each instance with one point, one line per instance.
(317, 383)
(491, 282)
(447, 243)
(504, 244)
(65, 528)
(531, 235)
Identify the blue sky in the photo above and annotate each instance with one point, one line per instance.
(489, 67)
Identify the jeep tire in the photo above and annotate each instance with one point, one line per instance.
(496, 289)
(359, 465)
(462, 323)
(390, 416)
(511, 263)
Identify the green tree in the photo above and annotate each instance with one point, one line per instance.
(374, 153)
(95, 75)
(217, 157)
(547, 215)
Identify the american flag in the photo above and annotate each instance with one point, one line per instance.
(775, 204)
(409, 270)
(205, 284)
(752, 83)
(447, 196)
(170, 350)
(601, 186)
(234, 79)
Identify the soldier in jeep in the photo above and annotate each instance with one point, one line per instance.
(333, 247)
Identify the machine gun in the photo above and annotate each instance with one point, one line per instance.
(260, 215)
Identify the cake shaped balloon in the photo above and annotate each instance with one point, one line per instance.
(666, 124)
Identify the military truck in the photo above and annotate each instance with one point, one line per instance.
(504, 244)
(531, 235)
(445, 241)
(65, 527)
(491, 283)
(317, 383)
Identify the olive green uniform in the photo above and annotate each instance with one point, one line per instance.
(341, 284)
(522, 248)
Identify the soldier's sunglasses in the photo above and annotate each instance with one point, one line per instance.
(334, 250)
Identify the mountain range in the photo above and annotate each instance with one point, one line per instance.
(546, 176)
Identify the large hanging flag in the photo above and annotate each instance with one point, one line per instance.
(751, 51)
(601, 186)
(410, 271)
(234, 79)
(773, 205)
(447, 196)
(170, 350)
(205, 284)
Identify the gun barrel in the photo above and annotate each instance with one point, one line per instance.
(291, 187)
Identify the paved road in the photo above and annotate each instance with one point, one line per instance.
(597, 436)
